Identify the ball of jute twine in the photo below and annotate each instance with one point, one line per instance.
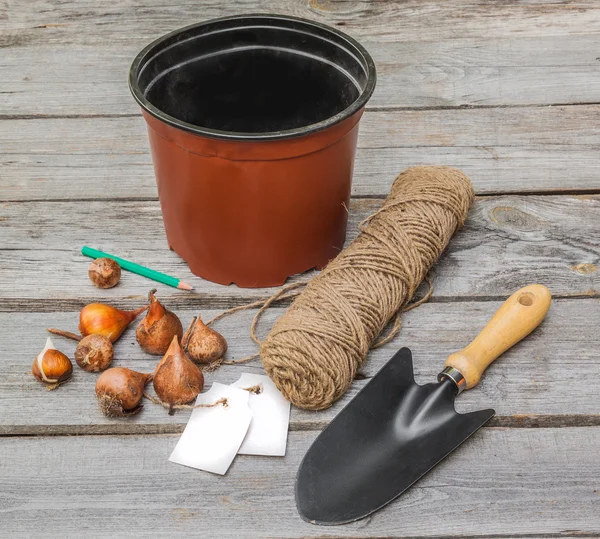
(315, 349)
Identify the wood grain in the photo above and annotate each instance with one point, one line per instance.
(123, 486)
(501, 149)
(516, 318)
(460, 83)
(525, 386)
(515, 240)
(73, 58)
(384, 21)
(92, 79)
(562, 126)
(493, 170)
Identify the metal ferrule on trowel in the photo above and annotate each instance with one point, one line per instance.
(395, 430)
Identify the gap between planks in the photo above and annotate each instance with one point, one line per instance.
(565, 534)
(205, 301)
(487, 194)
(521, 421)
(378, 108)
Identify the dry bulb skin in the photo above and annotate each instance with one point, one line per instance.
(104, 272)
(203, 344)
(101, 319)
(157, 329)
(120, 391)
(176, 379)
(255, 390)
(94, 353)
(51, 366)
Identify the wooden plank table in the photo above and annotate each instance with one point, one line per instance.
(507, 91)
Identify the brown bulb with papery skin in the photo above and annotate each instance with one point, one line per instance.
(120, 391)
(176, 379)
(203, 344)
(156, 330)
(101, 319)
(104, 272)
(94, 353)
(51, 366)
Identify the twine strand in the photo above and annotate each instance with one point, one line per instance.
(264, 304)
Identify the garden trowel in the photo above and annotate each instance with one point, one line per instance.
(394, 431)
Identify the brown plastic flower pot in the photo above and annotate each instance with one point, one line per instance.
(253, 123)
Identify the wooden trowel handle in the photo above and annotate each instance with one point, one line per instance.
(518, 316)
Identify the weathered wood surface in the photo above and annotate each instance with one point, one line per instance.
(463, 58)
(540, 168)
(501, 149)
(520, 483)
(93, 80)
(91, 22)
(460, 83)
(528, 381)
(508, 241)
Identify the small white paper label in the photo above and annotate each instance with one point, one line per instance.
(268, 431)
(213, 436)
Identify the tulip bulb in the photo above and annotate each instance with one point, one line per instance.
(157, 329)
(176, 379)
(203, 344)
(51, 366)
(104, 272)
(101, 319)
(120, 391)
(94, 353)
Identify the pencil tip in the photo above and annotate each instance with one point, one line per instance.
(184, 286)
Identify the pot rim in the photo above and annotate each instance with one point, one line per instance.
(365, 59)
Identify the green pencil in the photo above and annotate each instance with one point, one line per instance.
(136, 268)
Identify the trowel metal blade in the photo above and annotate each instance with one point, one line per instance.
(390, 435)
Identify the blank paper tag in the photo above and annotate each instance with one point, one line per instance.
(268, 431)
(213, 436)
